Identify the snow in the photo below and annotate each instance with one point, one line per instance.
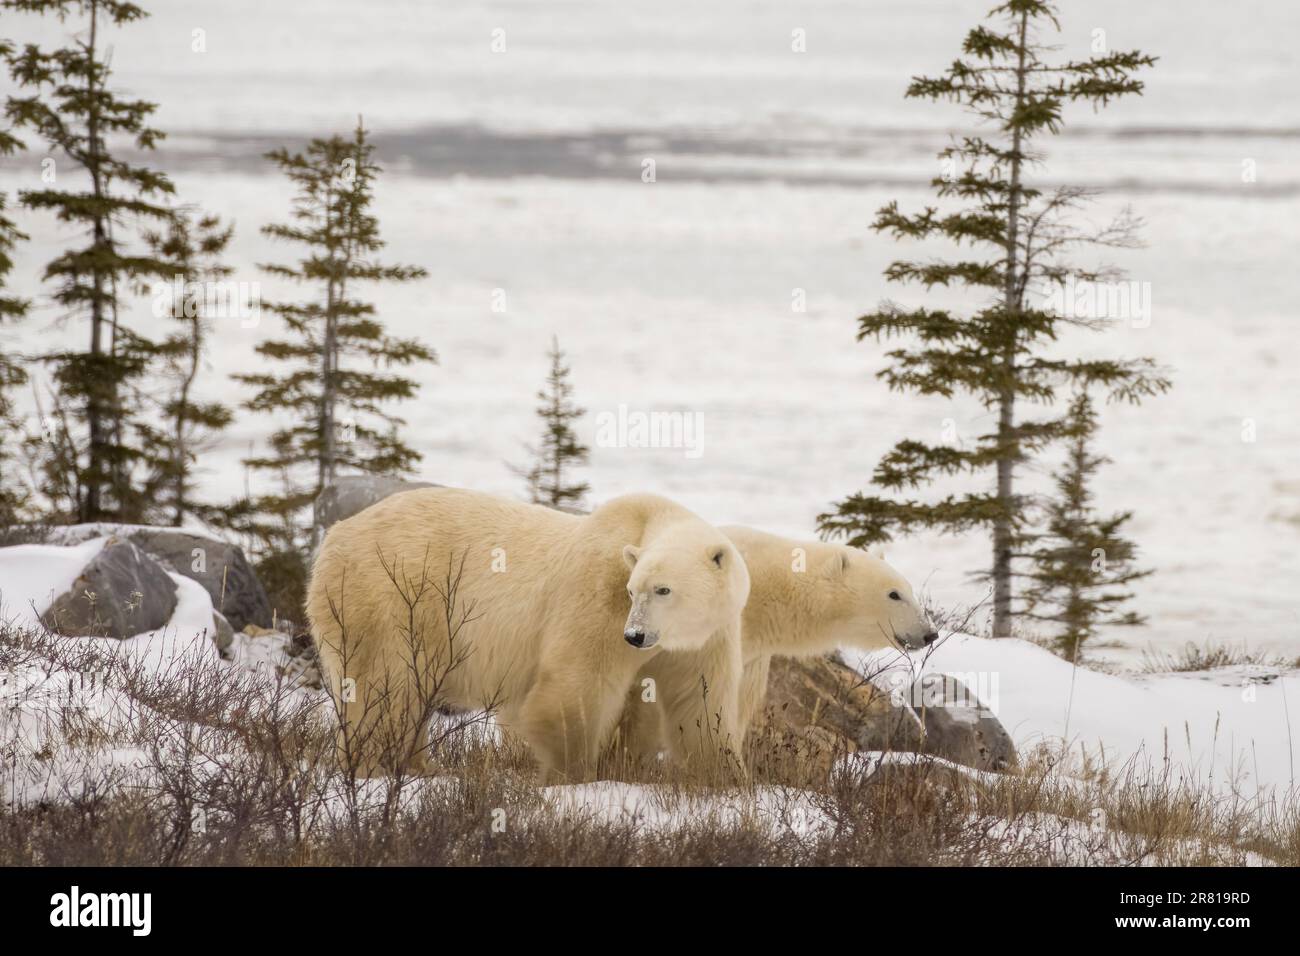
(33, 694)
(1225, 729)
(33, 575)
(185, 639)
(77, 533)
(677, 296)
(656, 808)
(1232, 734)
(1228, 729)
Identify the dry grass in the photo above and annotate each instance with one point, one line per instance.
(1203, 657)
(16, 534)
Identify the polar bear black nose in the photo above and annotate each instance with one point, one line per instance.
(931, 637)
(634, 636)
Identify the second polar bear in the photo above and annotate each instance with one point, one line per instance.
(546, 617)
(806, 598)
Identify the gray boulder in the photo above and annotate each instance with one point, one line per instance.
(120, 593)
(221, 568)
(820, 708)
(958, 726)
(355, 493)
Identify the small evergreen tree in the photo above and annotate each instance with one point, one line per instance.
(13, 495)
(193, 245)
(332, 405)
(1000, 353)
(1082, 562)
(89, 470)
(560, 449)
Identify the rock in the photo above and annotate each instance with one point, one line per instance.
(821, 692)
(301, 644)
(303, 672)
(352, 494)
(818, 709)
(959, 727)
(120, 593)
(221, 568)
(223, 635)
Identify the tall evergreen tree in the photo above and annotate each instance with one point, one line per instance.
(333, 405)
(1018, 233)
(193, 245)
(560, 449)
(1081, 562)
(77, 114)
(12, 374)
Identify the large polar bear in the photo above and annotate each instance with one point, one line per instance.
(445, 597)
(806, 598)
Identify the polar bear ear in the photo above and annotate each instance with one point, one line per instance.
(630, 555)
(877, 551)
(716, 557)
(838, 565)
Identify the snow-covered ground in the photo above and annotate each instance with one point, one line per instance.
(520, 172)
(1231, 729)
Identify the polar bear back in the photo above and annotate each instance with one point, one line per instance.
(520, 573)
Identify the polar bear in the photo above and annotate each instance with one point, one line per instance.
(442, 597)
(806, 598)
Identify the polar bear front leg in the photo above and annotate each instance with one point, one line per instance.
(753, 692)
(640, 731)
(567, 719)
(702, 704)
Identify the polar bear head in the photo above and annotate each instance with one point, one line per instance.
(686, 585)
(874, 605)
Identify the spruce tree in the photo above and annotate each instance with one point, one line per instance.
(193, 246)
(560, 449)
(90, 470)
(13, 495)
(333, 393)
(1081, 562)
(999, 353)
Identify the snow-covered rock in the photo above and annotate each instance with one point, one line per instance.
(958, 725)
(121, 591)
(219, 566)
(33, 575)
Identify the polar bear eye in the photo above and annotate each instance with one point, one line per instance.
(663, 592)
(894, 596)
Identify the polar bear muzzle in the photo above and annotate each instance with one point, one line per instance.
(635, 631)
